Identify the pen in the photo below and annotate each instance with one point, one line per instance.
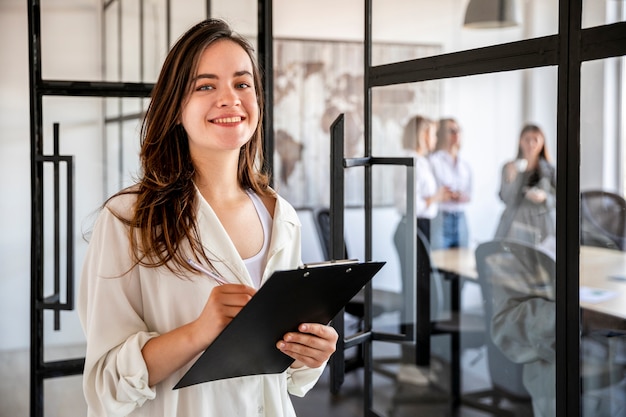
(206, 271)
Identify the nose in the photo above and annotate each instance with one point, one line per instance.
(228, 97)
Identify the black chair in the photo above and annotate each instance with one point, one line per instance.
(603, 219)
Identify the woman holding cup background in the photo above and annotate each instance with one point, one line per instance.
(528, 189)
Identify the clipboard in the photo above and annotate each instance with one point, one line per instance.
(314, 293)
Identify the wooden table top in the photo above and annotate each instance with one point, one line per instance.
(602, 275)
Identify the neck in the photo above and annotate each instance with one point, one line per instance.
(533, 162)
(216, 178)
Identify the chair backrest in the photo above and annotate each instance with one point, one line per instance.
(603, 219)
(322, 217)
(312, 250)
(534, 273)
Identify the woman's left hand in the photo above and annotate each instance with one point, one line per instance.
(536, 195)
(312, 345)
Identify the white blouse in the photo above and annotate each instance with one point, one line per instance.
(457, 175)
(122, 306)
(425, 187)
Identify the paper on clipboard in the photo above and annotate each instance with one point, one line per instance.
(314, 293)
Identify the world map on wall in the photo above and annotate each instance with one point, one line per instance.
(315, 82)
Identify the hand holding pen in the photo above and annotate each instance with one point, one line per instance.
(200, 268)
(225, 302)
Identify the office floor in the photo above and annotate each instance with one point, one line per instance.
(63, 396)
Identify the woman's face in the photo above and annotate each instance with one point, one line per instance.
(531, 144)
(453, 135)
(221, 113)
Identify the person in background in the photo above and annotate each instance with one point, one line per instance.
(528, 190)
(418, 141)
(175, 257)
(449, 229)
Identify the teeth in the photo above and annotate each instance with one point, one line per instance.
(228, 120)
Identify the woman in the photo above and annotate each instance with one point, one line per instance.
(174, 258)
(449, 228)
(528, 190)
(418, 140)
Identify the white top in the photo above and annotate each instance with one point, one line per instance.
(256, 263)
(457, 175)
(425, 187)
(122, 306)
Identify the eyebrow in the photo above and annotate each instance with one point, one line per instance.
(213, 76)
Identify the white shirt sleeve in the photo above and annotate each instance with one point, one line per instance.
(115, 377)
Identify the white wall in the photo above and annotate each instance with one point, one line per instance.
(474, 101)
(15, 178)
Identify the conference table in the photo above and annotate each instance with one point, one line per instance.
(602, 280)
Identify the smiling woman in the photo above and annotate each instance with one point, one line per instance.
(175, 257)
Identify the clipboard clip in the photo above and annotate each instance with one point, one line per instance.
(328, 263)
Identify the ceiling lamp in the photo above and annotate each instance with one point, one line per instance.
(487, 14)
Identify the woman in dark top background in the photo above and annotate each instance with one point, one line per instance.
(528, 189)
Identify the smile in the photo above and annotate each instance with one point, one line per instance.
(228, 120)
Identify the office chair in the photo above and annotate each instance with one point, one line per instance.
(506, 375)
(603, 219)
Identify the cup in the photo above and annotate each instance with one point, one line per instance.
(521, 164)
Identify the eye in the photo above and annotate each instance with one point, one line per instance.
(243, 85)
(205, 87)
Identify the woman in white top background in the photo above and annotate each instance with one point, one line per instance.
(449, 229)
(418, 141)
(175, 257)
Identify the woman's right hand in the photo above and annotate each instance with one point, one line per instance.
(224, 303)
(169, 351)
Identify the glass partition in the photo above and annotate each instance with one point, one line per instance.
(602, 12)
(124, 41)
(485, 183)
(603, 238)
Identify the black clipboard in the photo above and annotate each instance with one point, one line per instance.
(314, 293)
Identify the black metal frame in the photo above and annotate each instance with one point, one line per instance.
(39, 88)
(365, 337)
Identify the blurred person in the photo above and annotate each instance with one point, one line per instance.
(528, 190)
(449, 229)
(418, 141)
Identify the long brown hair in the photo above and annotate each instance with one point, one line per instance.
(413, 130)
(164, 212)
